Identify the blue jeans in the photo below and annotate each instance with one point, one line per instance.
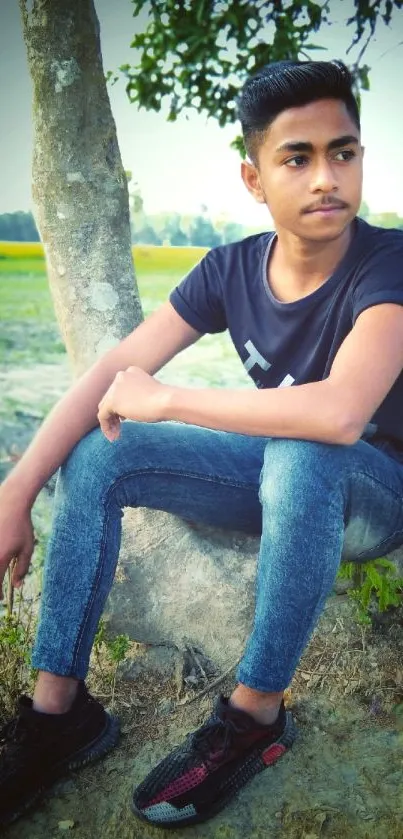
(314, 504)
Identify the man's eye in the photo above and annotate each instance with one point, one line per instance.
(296, 161)
(346, 154)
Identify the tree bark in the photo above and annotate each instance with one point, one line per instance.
(78, 182)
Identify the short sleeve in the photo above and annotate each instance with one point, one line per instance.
(381, 279)
(198, 299)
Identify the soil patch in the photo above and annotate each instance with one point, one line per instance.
(343, 777)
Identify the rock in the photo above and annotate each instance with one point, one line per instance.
(165, 706)
(341, 586)
(397, 557)
(167, 662)
(185, 586)
(179, 584)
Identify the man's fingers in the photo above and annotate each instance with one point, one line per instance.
(20, 568)
(110, 426)
(6, 570)
(113, 429)
(17, 569)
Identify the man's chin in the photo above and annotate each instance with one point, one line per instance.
(330, 231)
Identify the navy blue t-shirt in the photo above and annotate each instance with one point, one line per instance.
(282, 344)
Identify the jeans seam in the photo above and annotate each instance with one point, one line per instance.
(201, 477)
(380, 545)
(364, 473)
(397, 497)
(91, 599)
(102, 552)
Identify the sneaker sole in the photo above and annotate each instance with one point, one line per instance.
(252, 766)
(103, 744)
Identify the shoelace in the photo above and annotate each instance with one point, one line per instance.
(216, 737)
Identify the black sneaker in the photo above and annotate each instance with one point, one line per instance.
(198, 779)
(37, 749)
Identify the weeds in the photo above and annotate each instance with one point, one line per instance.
(376, 587)
(16, 636)
(376, 584)
(17, 629)
(110, 652)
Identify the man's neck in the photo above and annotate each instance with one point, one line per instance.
(298, 267)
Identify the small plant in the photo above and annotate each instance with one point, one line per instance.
(16, 635)
(115, 650)
(375, 581)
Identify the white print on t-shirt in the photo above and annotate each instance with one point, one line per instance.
(257, 359)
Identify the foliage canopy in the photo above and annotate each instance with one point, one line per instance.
(198, 53)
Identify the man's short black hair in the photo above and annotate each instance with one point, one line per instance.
(290, 84)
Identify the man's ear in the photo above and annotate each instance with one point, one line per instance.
(251, 179)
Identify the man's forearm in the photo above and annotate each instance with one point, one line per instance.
(70, 419)
(311, 412)
(150, 346)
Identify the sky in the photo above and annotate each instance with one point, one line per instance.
(180, 166)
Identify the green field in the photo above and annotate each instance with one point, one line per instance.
(29, 331)
(34, 367)
(24, 289)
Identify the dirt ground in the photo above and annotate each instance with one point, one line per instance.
(343, 778)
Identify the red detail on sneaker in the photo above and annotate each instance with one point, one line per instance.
(272, 753)
(180, 785)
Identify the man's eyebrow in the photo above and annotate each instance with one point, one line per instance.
(337, 143)
(346, 140)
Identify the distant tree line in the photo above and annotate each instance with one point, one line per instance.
(160, 229)
(174, 229)
(170, 228)
(381, 219)
(18, 227)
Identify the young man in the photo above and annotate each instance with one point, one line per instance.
(312, 459)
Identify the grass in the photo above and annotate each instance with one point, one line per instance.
(30, 334)
(26, 295)
(29, 331)
(29, 257)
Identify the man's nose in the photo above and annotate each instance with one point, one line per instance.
(324, 177)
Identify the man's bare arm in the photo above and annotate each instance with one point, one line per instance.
(335, 410)
(158, 339)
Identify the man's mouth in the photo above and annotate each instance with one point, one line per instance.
(328, 207)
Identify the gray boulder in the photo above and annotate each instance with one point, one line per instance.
(187, 587)
(184, 586)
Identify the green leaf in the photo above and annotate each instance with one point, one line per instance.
(383, 562)
(118, 648)
(191, 34)
(239, 146)
(345, 571)
(315, 47)
(365, 593)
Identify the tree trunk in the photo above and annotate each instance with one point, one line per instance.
(79, 184)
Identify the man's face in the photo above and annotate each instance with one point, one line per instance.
(309, 170)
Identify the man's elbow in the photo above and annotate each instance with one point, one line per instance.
(343, 415)
(349, 430)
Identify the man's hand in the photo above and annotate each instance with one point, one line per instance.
(133, 395)
(16, 538)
